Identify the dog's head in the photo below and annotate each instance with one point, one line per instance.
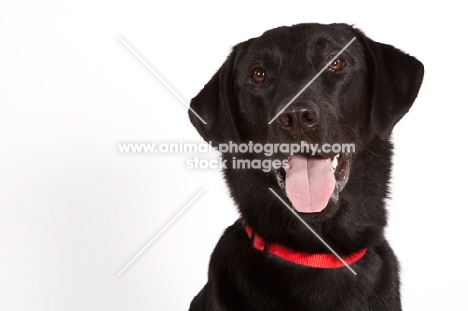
(356, 101)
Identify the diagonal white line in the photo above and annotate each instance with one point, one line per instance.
(161, 231)
(313, 79)
(312, 230)
(160, 79)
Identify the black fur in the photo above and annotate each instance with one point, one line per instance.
(359, 104)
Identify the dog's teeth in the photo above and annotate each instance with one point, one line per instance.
(334, 163)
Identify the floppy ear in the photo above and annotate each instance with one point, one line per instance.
(395, 81)
(217, 105)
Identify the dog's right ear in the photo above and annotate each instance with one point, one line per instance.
(395, 81)
(217, 105)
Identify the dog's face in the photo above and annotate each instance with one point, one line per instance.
(271, 70)
(357, 100)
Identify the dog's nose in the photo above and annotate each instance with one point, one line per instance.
(298, 120)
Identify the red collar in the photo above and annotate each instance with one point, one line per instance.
(305, 259)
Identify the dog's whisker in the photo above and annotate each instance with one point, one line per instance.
(371, 152)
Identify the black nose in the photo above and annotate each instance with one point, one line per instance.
(297, 120)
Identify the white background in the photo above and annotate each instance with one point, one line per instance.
(73, 211)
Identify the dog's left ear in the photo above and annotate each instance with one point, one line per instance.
(396, 78)
(217, 105)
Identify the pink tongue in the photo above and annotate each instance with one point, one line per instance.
(309, 183)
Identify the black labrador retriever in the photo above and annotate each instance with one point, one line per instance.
(269, 259)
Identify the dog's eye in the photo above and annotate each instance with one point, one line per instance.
(337, 64)
(258, 75)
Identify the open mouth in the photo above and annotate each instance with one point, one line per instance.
(311, 182)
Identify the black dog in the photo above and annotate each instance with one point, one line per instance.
(269, 260)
